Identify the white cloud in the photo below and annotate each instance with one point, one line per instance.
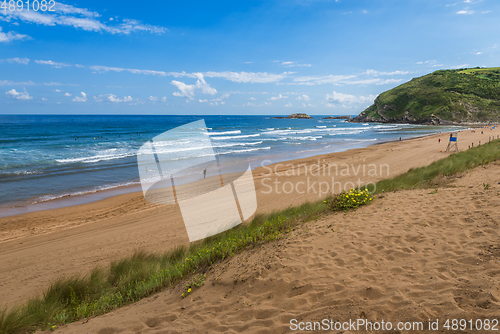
(279, 97)
(68, 9)
(222, 97)
(6, 37)
(189, 90)
(303, 97)
(128, 26)
(44, 99)
(294, 64)
(352, 79)
(376, 81)
(97, 68)
(14, 83)
(155, 98)
(112, 98)
(67, 94)
(82, 23)
(23, 61)
(19, 95)
(240, 77)
(245, 77)
(57, 91)
(288, 104)
(340, 98)
(468, 12)
(83, 98)
(217, 103)
(315, 80)
(79, 18)
(377, 73)
(460, 66)
(253, 98)
(51, 63)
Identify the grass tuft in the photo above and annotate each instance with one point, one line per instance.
(429, 176)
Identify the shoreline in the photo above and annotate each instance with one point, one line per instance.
(38, 247)
(91, 196)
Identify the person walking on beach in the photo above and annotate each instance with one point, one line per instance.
(439, 140)
(205, 173)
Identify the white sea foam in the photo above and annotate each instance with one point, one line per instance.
(22, 172)
(161, 148)
(223, 133)
(236, 137)
(47, 198)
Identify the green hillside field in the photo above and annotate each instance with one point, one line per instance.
(462, 96)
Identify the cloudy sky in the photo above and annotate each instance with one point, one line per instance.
(269, 57)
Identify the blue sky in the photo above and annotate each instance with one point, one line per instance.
(233, 57)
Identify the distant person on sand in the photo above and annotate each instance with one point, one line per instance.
(439, 140)
(205, 173)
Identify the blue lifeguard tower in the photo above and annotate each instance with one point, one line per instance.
(452, 144)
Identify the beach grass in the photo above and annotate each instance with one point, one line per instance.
(132, 278)
(439, 171)
(141, 274)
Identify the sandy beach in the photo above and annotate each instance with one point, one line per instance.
(409, 257)
(38, 247)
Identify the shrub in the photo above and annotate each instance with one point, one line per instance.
(350, 200)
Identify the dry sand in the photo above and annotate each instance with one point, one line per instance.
(37, 248)
(407, 257)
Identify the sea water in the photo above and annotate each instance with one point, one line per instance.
(48, 157)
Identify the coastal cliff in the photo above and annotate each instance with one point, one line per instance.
(444, 97)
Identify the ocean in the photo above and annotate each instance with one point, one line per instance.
(44, 158)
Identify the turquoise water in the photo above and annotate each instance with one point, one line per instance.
(47, 157)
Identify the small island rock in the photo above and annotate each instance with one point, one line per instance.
(337, 117)
(295, 116)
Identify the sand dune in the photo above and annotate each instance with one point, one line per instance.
(407, 257)
(37, 248)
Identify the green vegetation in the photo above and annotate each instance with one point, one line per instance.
(195, 282)
(438, 171)
(350, 200)
(442, 97)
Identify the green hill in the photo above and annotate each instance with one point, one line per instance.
(462, 96)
